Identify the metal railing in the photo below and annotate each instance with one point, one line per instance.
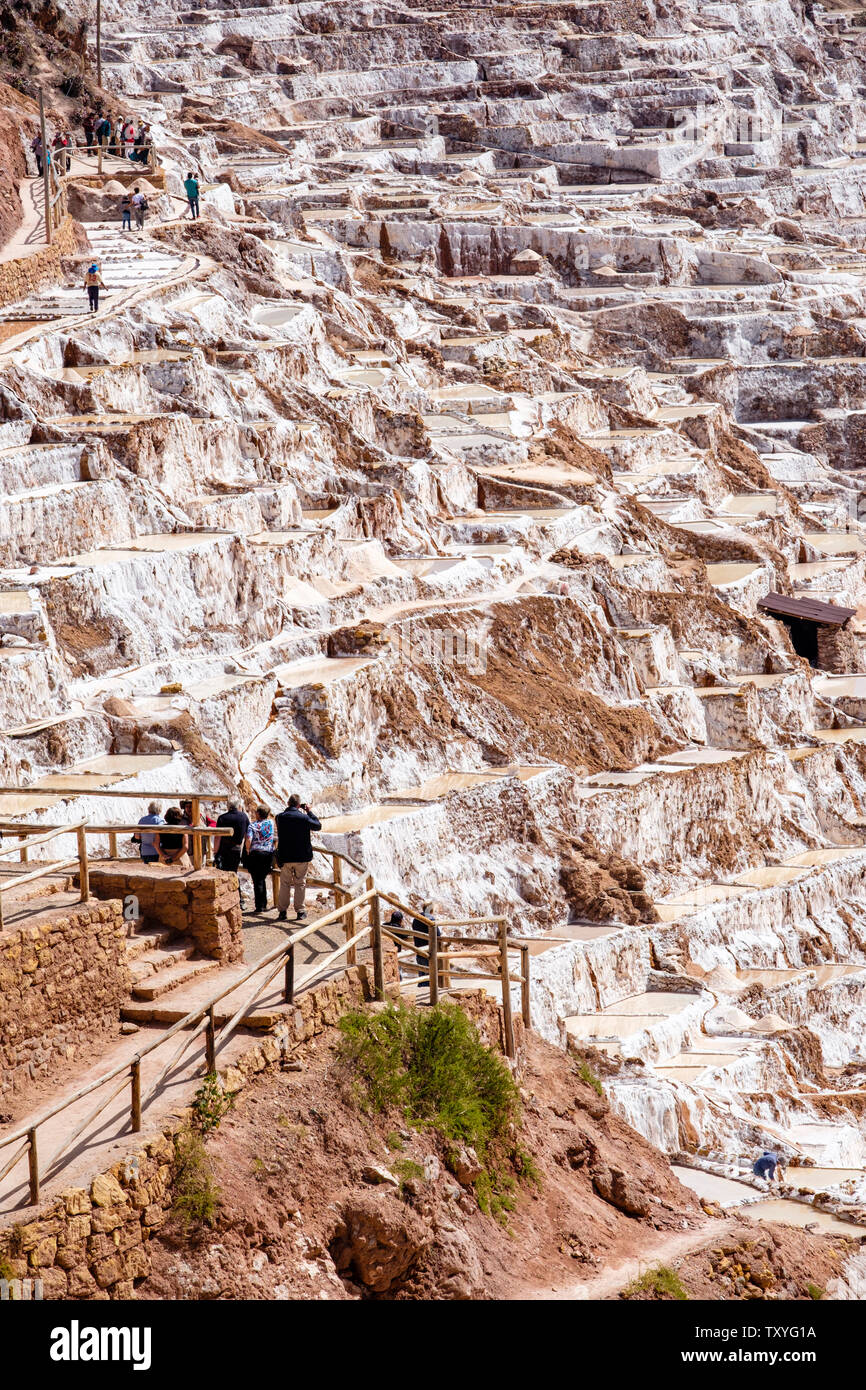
(360, 897)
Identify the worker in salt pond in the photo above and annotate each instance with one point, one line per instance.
(768, 1166)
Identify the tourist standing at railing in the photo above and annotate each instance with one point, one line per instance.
(294, 854)
(190, 183)
(126, 212)
(230, 848)
(261, 843)
(87, 124)
(397, 929)
(141, 152)
(421, 933)
(173, 846)
(147, 849)
(36, 147)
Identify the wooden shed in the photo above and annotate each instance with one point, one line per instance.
(819, 630)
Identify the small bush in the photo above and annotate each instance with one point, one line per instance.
(394, 1140)
(196, 1192)
(816, 1292)
(432, 1065)
(662, 1280)
(210, 1104)
(407, 1170)
(587, 1075)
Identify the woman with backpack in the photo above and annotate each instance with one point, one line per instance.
(260, 845)
(93, 284)
(139, 207)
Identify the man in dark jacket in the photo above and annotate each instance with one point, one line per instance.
(294, 854)
(230, 847)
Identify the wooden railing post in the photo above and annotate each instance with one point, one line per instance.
(136, 1096)
(83, 868)
(112, 844)
(196, 839)
(289, 992)
(376, 943)
(507, 1021)
(433, 962)
(210, 1042)
(524, 985)
(341, 896)
(46, 165)
(33, 1160)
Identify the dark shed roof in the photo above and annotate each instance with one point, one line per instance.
(810, 610)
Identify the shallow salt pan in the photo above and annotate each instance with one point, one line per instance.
(819, 1179)
(801, 1214)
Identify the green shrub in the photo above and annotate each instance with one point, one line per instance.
(210, 1104)
(407, 1170)
(586, 1074)
(661, 1280)
(433, 1067)
(196, 1192)
(816, 1292)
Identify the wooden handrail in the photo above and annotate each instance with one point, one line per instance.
(261, 975)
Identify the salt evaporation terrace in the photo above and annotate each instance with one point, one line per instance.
(481, 334)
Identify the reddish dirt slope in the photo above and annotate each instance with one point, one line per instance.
(300, 1221)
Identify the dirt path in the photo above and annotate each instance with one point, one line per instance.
(608, 1284)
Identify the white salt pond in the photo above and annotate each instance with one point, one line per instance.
(802, 1214)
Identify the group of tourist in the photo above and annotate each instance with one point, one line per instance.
(260, 845)
(118, 136)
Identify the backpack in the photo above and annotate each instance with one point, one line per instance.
(143, 205)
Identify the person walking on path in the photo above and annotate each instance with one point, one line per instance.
(87, 123)
(139, 207)
(147, 849)
(261, 842)
(126, 212)
(36, 147)
(190, 183)
(93, 284)
(294, 854)
(230, 847)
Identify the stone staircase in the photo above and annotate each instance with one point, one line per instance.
(161, 961)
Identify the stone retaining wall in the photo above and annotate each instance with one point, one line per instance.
(62, 982)
(203, 904)
(21, 277)
(91, 1242)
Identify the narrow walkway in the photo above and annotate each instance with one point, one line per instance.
(609, 1284)
(110, 1135)
(30, 235)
